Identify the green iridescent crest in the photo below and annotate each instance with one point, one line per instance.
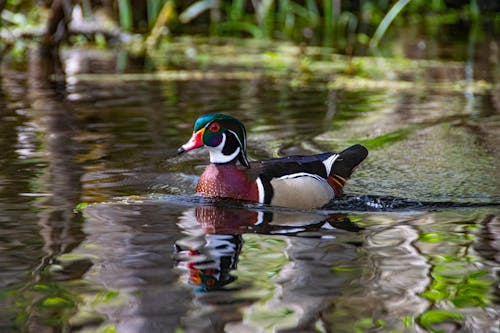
(216, 124)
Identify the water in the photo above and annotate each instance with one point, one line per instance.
(100, 231)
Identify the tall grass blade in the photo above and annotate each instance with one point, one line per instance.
(125, 13)
(164, 18)
(329, 23)
(196, 9)
(312, 8)
(153, 9)
(265, 16)
(285, 18)
(237, 10)
(245, 27)
(386, 21)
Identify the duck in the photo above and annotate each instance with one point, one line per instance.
(298, 181)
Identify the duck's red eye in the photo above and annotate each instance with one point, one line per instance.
(214, 127)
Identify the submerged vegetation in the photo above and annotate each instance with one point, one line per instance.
(347, 27)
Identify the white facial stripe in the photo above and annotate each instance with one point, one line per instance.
(329, 163)
(216, 155)
(237, 138)
(260, 188)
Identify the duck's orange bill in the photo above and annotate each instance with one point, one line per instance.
(196, 141)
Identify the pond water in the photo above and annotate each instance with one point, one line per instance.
(100, 232)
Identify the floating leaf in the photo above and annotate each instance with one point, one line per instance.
(56, 302)
(344, 269)
(106, 297)
(81, 205)
(408, 321)
(110, 329)
(432, 317)
(430, 237)
(366, 324)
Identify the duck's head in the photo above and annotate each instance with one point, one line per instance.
(224, 137)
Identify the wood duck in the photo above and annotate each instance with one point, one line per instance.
(302, 182)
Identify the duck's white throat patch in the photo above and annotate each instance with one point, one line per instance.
(216, 155)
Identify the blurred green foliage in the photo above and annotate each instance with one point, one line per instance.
(47, 300)
(343, 25)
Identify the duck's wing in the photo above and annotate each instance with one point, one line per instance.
(304, 178)
(323, 165)
(290, 165)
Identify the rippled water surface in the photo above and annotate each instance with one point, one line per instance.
(99, 231)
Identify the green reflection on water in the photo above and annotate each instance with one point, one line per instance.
(260, 262)
(46, 304)
(367, 324)
(433, 317)
(387, 138)
(459, 282)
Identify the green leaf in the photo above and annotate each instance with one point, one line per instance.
(430, 237)
(81, 205)
(365, 324)
(408, 321)
(56, 302)
(432, 317)
(435, 295)
(247, 27)
(110, 329)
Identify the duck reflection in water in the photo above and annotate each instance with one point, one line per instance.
(209, 267)
(214, 241)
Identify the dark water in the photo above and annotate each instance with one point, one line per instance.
(99, 231)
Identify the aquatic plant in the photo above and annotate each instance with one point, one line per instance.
(346, 26)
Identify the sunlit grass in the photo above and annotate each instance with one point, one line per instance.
(346, 27)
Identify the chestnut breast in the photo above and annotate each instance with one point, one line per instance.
(227, 181)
